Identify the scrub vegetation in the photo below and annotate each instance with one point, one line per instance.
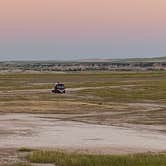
(75, 159)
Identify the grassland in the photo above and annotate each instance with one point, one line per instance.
(74, 159)
(118, 87)
(132, 99)
(92, 97)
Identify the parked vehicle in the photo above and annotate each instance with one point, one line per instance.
(59, 88)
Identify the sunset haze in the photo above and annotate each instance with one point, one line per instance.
(78, 29)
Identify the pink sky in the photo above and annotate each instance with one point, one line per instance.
(76, 16)
(82, 19)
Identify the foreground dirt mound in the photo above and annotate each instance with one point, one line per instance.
(8, 156)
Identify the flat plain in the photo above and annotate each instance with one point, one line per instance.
(129, 103)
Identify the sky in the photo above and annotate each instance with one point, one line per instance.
(81, 29)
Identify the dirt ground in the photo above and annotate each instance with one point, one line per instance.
(100, 113)
(8, 156)
(48, 131)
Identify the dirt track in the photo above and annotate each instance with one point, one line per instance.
(68, 89)
(47, 131)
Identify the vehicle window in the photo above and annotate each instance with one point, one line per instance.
(60, 86)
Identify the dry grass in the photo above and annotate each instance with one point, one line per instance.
(106, 98)
(74, 159)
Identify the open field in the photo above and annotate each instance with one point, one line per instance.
(127, 104)
(100, 98)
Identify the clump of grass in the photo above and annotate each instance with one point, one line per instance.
(73, 159)
(24, 149)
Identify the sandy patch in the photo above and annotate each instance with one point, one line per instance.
(39, 131)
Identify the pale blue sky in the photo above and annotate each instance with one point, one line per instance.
(69, 50)
(80, 29)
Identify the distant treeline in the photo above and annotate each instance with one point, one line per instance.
(81, 66)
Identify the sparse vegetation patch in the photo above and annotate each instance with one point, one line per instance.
(73, 159)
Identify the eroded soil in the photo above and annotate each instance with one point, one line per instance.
(48, 131)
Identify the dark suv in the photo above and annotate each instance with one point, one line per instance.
(59, 88)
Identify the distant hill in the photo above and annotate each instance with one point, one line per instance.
(127, 60)
(95, 60)
(155, 59)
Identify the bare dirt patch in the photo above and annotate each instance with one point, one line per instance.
(39, 131)
(8, 156)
